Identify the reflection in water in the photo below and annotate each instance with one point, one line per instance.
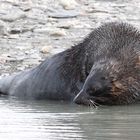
(54, 120)
(38, 119)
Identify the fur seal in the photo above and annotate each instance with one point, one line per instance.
(102, 69)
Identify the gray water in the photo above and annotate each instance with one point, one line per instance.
(47, 120)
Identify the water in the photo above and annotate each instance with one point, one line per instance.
(47, 120)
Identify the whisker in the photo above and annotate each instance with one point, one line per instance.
(94, 104)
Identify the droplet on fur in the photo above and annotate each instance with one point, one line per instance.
(118, 85)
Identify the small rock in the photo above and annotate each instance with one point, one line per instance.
(11, 15)
(15, 31)
(57, 32)
(26, 5)
(19, 30)
(2, 60)
(31, 61)
(52, 19)
(12, 59)
(57, 50)
(13, 36)
(64, 14)
(68, 4)
(42, 30)
(20, 68)
(3, 28)
(46, 49)
(68, 24)
(92, 10)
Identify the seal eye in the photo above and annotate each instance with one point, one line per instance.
(103, 78)
(113, 79)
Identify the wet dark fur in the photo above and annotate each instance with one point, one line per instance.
(104, 69)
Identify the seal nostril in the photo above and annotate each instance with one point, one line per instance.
(104, 78)
(91, 91)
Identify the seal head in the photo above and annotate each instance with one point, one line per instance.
(112, 82)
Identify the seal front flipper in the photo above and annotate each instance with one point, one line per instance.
(5, 84)
(9, 84)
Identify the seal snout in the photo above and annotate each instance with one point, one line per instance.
(84, 99)
(95, 90)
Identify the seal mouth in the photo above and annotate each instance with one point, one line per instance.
(87, 100)
(93, 100)
(93, 103)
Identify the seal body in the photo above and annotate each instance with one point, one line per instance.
(49, 80)
(103, 69)
(59, 78)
